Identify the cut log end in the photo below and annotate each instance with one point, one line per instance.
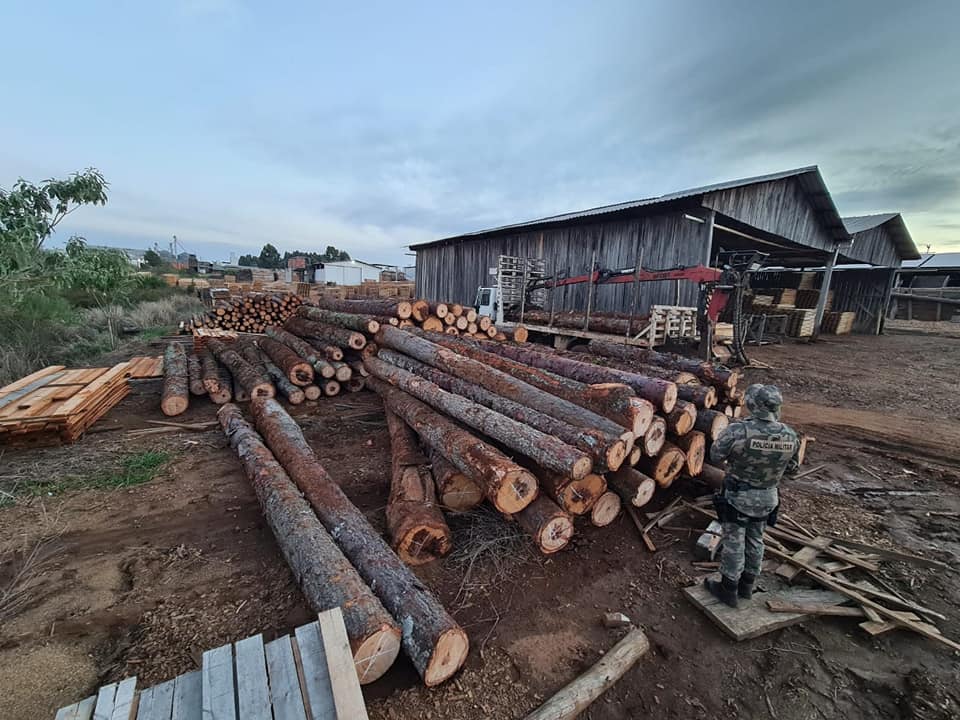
(516, 492)
(519, 334)
(578, 496)
(635, 455)
(655, 437)
(263, 390)
(331, 388)
(669, 398)
(449, 655)
(423, 544)
(616, 454)
(404, 310)
(174, 405)
(555, 535)
(605, 509)
(312, 392)
(581, 467)
(374, 656)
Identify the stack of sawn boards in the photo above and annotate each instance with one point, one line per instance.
(543, 435)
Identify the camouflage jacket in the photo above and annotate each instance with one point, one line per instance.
(758, 452)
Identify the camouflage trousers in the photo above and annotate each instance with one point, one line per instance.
(742, 550)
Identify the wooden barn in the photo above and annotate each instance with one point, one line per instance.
(928, 288)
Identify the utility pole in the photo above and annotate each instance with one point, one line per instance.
(824, 291)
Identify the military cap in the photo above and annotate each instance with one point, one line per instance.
(763, 401)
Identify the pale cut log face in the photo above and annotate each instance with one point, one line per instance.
(448, 656)
(555, 535)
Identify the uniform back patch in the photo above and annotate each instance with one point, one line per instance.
(773, 445)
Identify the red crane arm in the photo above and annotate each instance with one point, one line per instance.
(696, 273)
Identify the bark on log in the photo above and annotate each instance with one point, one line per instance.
(661, 393)
(605, 509)
(333, 353)
(418, 532)
(441, 310)
(330, 388)
(324, 574)
(433, 641)
(681, 419)
(294, 395)
(383, 306)
(615, 401)
(712, 476)
(253, 382)
(341, 371)
(549, 526)
(606, 451)
(498, 382)
(355, 384)
(703, 396)
(348, 321)
(694, 446)
(711, 423)
(655, 437)
(576, 321)
(239, 394)
(665, 467)
(456, 309)
(295, 368)
(323, 332)
(574, 496)
(632, 486)
(458, 492)
(209, 371)
(433, 324)
(507, 485)
(175, 397)
(195, 375)
(300, 346)
(546, 450)
(224, 392)
(325, 369)
(711, 373)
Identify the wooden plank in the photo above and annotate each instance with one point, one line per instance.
(808, 553)
(752, 618)
(31, 378)
(8, 397)
(284, 680)
(218, 688)
(114, 374)
(188, 697)
(316, 676)
(890, 554)
(123, 701)
(78, 711)
(105, 697)
(347, 697)
(253, 690)
(156, 703)
(778, 606)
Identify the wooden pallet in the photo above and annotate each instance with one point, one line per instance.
(57, 405)
(309, 676)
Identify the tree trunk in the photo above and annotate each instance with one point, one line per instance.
(711, 423)
(433, 641)
(703, 396)
(575, 321)
(546, 450)
(380, 306)
(323, 332)
(614, 401)
(441, 310)
(632, 486)
(224, 392)
(574, 496)
(195, 375)
(341, 371)
(433, 324)
(655, 437)
(419, 310)
(694, 446)
(255, 384)
(355, 384)
(498, 382)
(518, 334)
(325, 576)
(708, 372)
(456, 309)
(175, 398)
(209, 371)
(331, 388)
(300, 346)
(311, 392)
(348, 321)
(549, 526)
(507, 485)
(605, 509)
(712, 476)
(661, 393)
(606, 451)
(680, 420)
(418, 532)
(458, 492)
(665, 467)
(291, 392)
(294, 367)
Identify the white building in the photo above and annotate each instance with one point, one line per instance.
(345, 272)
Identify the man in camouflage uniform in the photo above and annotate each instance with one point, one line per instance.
(759, 451)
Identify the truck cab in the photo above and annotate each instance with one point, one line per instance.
(486, 302)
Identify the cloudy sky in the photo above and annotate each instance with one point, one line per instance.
(371, 125)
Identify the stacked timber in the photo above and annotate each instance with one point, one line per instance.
(613, 323)
(250, 312)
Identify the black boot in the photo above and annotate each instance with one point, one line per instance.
(747, 583)
(725, 590)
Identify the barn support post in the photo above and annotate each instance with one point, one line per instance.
(885, 305)
(825, 291)
(706, 333)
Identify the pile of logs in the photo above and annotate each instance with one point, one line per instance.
(250, 312)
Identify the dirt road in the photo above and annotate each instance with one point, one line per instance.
(141, 581)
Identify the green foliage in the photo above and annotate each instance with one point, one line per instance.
(105, 275)
(270, 257)
(330, 255)
(152, 259)
(133, 469)
(249, 261)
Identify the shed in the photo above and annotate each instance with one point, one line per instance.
(928, 288)
(345, 272)
(882, 240)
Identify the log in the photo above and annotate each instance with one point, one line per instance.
(456, 310)
(295, 368)
(341, 371)
(484, 322)
(712, 476)
(224, 392)
(419, 310)
(433, 641)
(294, 394)
(323, 332)
(433, 324)
(507, 485)
(355, 384)
(665, 467)
(417, 530)
(209, 371)
(325, 369)
(703, 396)
(694, 446)
(311, 392)
(458, 492)
(330, 388)
(325, 576)
(441, 310)
(498, 382)
(632, 486)
(239, 394)
(333, 353)
(470, 314)
(711, 373)
(195, 375)
(681, 419)
(605, 509)
(517, 334)
(549, 526)
(711, 423)
(573, 496)
(348, 321)
(371, 306)
(175, 397)
(607, 452)
(661, 393)
(255, 384)
(546, 450)
(615, 401)
(655, 437)
(576, 321)
(576, 697)
(461, 323)
(300, 346)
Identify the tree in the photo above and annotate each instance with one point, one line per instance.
(270, 257)
(334, 255)
(152, 259)
(249, 261)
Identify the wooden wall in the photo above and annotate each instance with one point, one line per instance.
(454, 271)
(863, 292)
(874, 246)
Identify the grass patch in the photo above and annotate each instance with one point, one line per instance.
(153, 333)
(134, 469)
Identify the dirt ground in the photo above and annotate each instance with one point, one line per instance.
(142, 580)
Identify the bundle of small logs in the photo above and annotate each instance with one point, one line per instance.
(251, 312)
(542, 435)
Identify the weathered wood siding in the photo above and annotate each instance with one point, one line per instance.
(779, 207)
(454, 271)
(863, 292)
(874, 246)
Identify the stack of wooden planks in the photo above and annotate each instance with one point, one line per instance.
(143, 367)
(57, 405)
(839, 323)
(250, 312)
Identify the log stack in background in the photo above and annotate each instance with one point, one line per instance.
(250, 312)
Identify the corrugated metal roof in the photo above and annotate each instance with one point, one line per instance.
(934, 261)
(906, 248)
(810, 178)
